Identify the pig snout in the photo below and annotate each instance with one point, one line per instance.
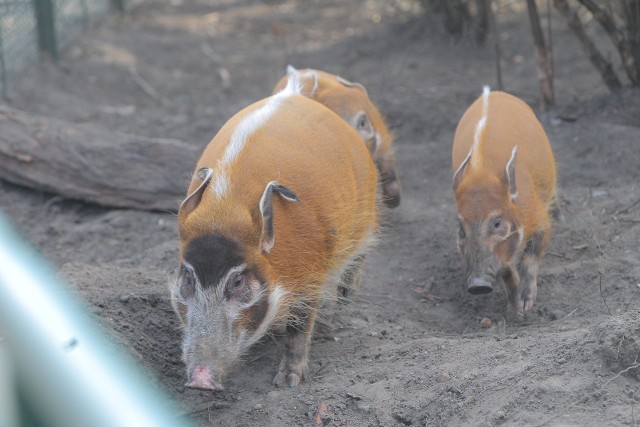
(479, 285)
(202, 379)
(391, 191)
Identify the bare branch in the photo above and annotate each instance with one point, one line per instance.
(619, 39)
(597, 59)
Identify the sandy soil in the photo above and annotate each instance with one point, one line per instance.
(409, 350)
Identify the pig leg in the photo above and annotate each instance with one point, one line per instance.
(512, 283)
(528, 269)
(293, 366)
(350, 279)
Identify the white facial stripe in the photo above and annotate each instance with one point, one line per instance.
(247, 127)
(275, 300)
(220, 287)
(195, 276)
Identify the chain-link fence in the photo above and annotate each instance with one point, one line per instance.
(29, 26)
(18, 40)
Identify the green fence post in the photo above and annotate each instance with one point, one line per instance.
(3, 68)
(47, 42)
(119, 5)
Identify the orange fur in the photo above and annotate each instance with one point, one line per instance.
(510, 122)
(308, 149)
(504, 184)
(347, 100)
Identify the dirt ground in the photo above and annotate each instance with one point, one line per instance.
(409, 349)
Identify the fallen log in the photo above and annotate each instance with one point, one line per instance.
(93, 164)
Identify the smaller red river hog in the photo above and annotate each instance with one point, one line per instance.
(351, 102)
(504, 185)
(281, 209)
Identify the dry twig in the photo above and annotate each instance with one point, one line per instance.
(605, 301)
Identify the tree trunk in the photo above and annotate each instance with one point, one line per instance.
(619, 38)
(92, 164)
(602, 65)
(543, 56)
(493, 29)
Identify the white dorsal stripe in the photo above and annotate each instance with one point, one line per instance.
(482, 123)
(252, 122)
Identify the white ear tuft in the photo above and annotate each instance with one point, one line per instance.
(291, 69)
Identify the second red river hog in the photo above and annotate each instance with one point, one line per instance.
(504, 184)
(281, 209)
(351, 101)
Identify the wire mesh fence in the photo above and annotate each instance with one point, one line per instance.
(18, 40)
(30, 26)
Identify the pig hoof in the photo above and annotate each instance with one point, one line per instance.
(526, 302)
(278, 380)
(293, 380)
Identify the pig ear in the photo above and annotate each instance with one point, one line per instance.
(364, 127)
(193, 199)
(347, 83)
(510, 174)
(457, 177)
(266, 209)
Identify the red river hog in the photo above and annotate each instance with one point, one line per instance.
(504, 184)
(281, 206)
(351, 102)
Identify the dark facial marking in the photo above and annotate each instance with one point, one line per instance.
(211, 256)
(255, 315)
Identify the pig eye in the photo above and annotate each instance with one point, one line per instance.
(362, 122)
(497, 222)
(238, 282)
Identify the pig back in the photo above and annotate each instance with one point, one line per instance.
(311, 151)
(510, 122)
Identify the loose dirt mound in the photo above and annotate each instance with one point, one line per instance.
(410, 349)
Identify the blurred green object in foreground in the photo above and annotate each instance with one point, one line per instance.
(55, 362)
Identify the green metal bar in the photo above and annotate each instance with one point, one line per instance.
(14, 3)
(45, 18)
(67, 371)
(85, 14)
(119, 5)
(8, 400)
(3, 66)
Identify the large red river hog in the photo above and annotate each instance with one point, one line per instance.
(504, 184)
(351, 101)
(282, 207)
